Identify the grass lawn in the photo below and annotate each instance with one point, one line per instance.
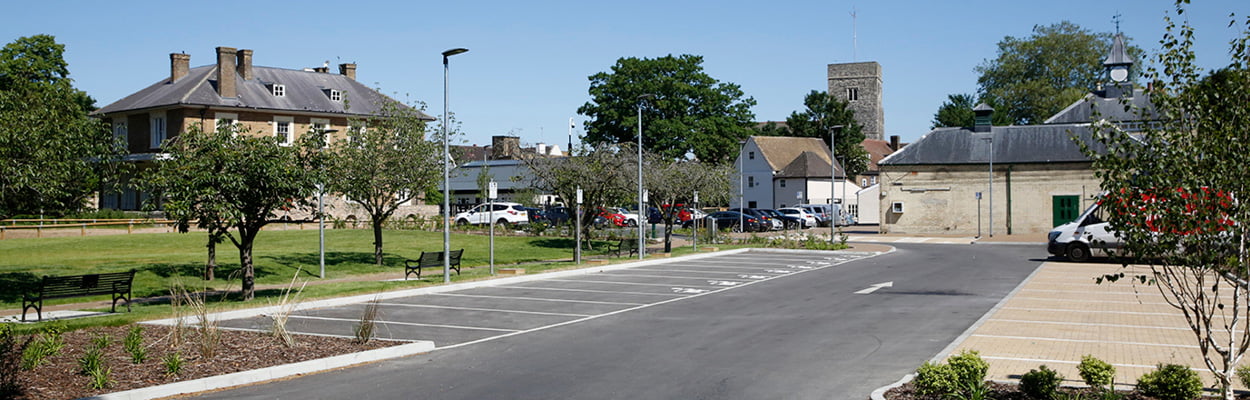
(164, 260)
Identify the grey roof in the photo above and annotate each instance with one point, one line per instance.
(1119, 53)
(305, 92)
(1135, 108)
(1012, 145)
(983, 107)
(807, 165)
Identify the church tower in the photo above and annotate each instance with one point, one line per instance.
(859, 85)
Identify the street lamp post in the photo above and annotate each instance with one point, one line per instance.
(833, 171)
(642, 244)
(742, 194)
(447, 172)
(991, 140)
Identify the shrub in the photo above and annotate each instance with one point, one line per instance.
(936, 379)
(11, 360)
(1243, 375)
(969, 368)
(100, 378)
(173, 363)
(1041, 383)
(1096, 373)
(48, 344)
(133, 343)
(1171, 382)
(92, 360)
(366, 326)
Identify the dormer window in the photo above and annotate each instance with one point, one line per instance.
(279, 90)
(334, 94)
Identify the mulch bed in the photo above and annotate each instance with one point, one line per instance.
(1000, 391)
(59, 376)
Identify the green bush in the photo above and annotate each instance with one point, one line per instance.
(11, 350)
(1041, 383)
(1171, 382)
(936, 379)
(47, 344)
(1096, 373)
(1243, 375)
(969, 367)
(173, 363)
(134, 345)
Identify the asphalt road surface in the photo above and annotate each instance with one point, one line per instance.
(791, 327)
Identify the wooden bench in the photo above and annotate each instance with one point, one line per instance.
(626, 246)
(116, 284)
(432, 259)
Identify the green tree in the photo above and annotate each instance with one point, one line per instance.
(386, 165)
(822, 115)
(670, 182)
(606, 176)
(690, 113)
(956, 112)
(52, 155)
(1176, 193)
(221, 181)
(1035, 77)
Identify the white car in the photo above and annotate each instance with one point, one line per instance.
(503, 214)
(809, 220)
(631, 218)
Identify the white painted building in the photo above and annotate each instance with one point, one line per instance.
(779, 171)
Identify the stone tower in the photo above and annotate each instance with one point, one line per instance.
(859, 84)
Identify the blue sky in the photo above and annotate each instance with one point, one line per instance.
(527, 68)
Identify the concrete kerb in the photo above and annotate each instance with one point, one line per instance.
(879, 393)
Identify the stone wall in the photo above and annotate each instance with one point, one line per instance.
(942, 199)
(866, 80)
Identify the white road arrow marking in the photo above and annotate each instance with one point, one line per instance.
(874, 288)
(688, 290)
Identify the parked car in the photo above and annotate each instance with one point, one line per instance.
(816, 210)
(653, 215)
(768, 220)
(607, 216)
(730, 220)
(502, 214)
(630, 218)
(557, 215)
(809, 220)
(787, 221)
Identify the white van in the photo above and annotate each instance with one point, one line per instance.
(1089, 235)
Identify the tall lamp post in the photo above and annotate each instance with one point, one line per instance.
(447, 172)
(642, 243)
(991, 140)
(833, 171)
(742, 197)
(321, 214)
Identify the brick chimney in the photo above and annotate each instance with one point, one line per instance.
(348, 70)
(245, 64)
(894, 142)
(226, 72)
(179, 66)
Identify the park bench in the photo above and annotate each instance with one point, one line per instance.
(432, 259)
(626, 246)
(116, 284)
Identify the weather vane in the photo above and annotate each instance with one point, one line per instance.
(1116, 18)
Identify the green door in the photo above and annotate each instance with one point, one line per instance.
(1066, 209)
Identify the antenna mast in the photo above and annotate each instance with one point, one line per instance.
(854, 36)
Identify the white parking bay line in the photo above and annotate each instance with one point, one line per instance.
(617, 283)
(586, 290)
(476, 328)
(483, 309)
(684, 270)
(614, 303)
(702, 278)
(757, 267)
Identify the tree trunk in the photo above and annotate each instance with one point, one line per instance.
(211, 265)
(668, 236)
(377, 241)
(245, 266)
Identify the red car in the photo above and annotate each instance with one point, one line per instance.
(615, 218)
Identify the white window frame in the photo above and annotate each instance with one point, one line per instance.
(121, 130)
(278, 90)
(232, 117)
(290, 129)
(157, 129)
(323, 123)
(335, 95)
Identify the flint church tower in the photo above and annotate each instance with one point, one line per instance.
(859, 84)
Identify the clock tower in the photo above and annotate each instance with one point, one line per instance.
(1119, 69)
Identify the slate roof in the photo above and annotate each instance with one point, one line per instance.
(807, 165)
(305, 92)
(780, 151)
(1012, 145)
(1135, 108)
(877, 150)
(1119, 53)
